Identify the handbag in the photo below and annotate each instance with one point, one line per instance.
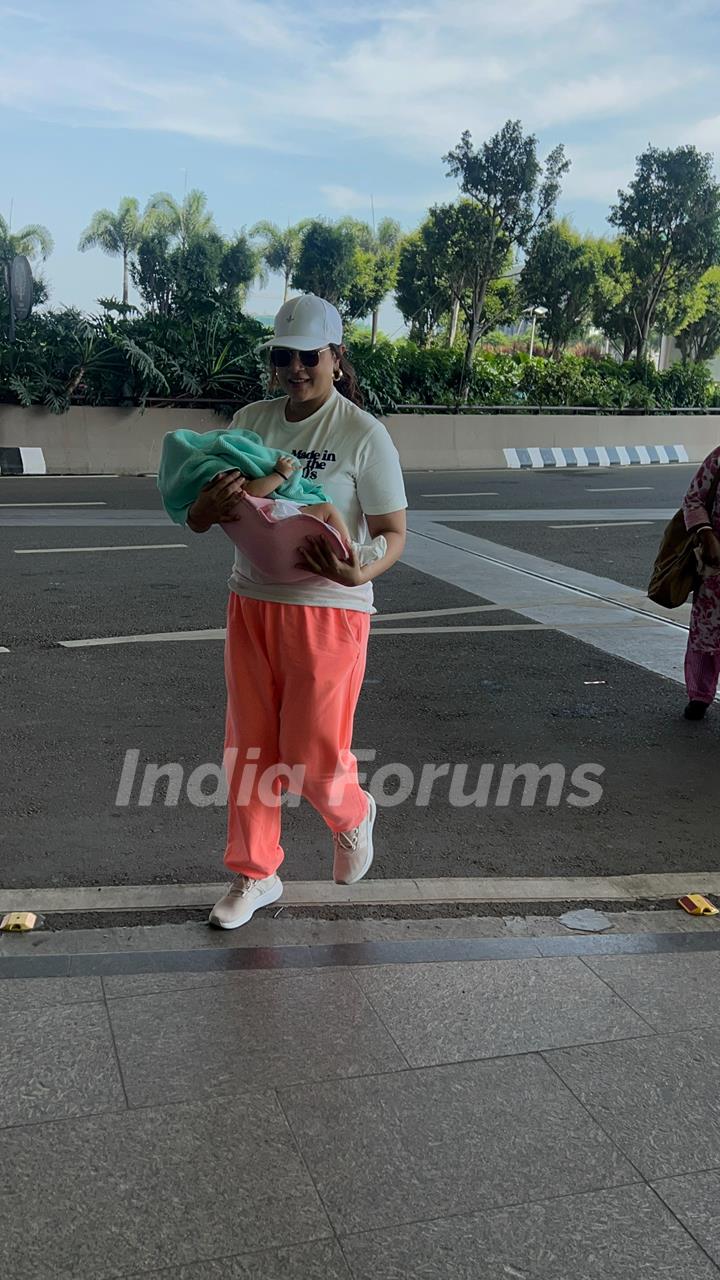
(676, 574)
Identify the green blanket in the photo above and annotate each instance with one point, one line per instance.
(190, 459)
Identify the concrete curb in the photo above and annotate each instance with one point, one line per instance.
(321, 893)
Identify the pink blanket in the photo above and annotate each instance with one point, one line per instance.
(272, 545)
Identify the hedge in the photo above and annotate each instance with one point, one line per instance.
(61, 358)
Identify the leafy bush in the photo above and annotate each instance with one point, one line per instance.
(686, 384)
(63, 357)
(122, 358)
(377, 374)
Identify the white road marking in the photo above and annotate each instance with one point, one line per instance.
(606, 524)
(158, 897)
(87, 475)
(151, 638)
(541, 515)
(3, 649)
(530, 585)
(512, 626)
(437, 613)
(581, 602)
(489, 493)
(626, 488)
(631, 619)
(51, 551)
(53, 504)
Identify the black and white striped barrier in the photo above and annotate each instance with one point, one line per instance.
(22, 462)
(620, 455)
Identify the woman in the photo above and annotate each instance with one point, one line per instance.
(295, 654)
(701, 506)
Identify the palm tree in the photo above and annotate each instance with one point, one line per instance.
(116, 233)
(382, 245)
(280, 249)
(185, 220)
(33, 241)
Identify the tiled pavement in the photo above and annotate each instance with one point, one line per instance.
(539, 1118)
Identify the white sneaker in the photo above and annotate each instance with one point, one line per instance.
(243, 899)
(354, 849)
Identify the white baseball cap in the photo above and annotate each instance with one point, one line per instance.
(306, 324)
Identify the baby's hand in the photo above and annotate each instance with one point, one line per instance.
(286, 467)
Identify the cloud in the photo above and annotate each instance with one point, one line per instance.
(305, 77)
(348, 200)
(705, 134)
(345, 198)
(613, 94)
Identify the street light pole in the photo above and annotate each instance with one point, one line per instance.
(532, 332)
(534, 312)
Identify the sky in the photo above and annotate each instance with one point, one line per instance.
(291, 109)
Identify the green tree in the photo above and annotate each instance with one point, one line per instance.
(184, 220)
(560, 273)
(118, 234)
(699, 336)
(184, 265)
(515, 197)
(423, 302)
(193, 278)
(614, 303)
(33, 241)
(376, 266)
(349, 264)
(153, 271)
(280, 250)
(326, 265)
(456, 240)
(669, 225)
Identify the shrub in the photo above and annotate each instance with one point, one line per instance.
(116, 358)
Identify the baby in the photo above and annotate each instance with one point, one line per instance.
(191, 460)
(280, 508)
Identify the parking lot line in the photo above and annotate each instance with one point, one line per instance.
(50, 551)
(606, 524)
(628, 620)
(489, 493)
(88, 475)
(53, 504)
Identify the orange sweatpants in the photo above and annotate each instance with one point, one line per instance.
(293, 675)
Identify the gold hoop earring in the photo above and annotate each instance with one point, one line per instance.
(338, 375)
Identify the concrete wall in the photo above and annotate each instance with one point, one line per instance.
(88, 440)
(469, 441)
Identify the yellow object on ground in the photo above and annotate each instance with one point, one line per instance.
(696, 905)
(20, 922)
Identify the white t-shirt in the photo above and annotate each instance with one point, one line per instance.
(350, 454)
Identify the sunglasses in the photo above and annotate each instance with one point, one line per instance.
(281, 357)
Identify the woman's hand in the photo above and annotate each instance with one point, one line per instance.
(317, 556)
(218, 501)
(710, 548)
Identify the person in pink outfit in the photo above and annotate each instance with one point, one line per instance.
(701, 507)
(295, 653)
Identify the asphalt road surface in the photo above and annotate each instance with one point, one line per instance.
(550, 658)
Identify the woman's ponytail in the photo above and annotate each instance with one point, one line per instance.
(347, 384)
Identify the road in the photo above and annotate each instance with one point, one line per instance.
(534, 646)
